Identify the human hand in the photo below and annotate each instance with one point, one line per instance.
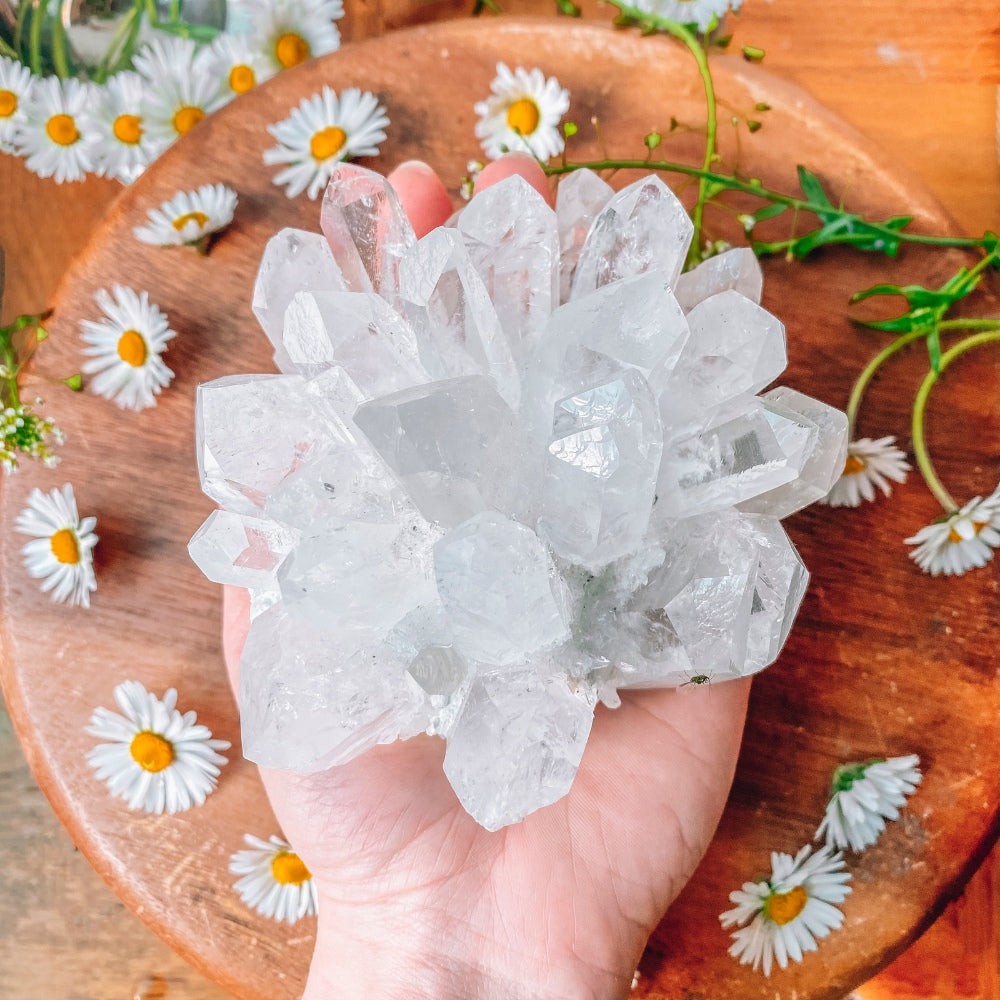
(416, 900)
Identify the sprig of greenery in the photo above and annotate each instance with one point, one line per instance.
(927, 307)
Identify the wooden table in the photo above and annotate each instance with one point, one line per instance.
(908, 75)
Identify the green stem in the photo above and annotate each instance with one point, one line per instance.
(920, 451)
(868, 373)
(969, 324)
(35, 40)
(60, 47)
(8, 51)
(729, 183)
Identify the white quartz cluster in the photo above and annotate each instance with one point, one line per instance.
(508, 470)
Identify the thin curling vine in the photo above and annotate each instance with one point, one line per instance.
(990, 334)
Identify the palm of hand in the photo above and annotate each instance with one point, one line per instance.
(577, 886)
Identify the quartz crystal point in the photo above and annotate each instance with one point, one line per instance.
(367, 230)
(294, 261)
(513, 468)
(517, 254)
(643, 227)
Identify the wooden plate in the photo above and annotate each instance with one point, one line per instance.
(883, 660)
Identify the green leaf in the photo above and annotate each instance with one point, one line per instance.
(652, 140)
(812, 188)
(74, 382)
(570, 129)
(771, 211)
(754, 125)
(753, 54)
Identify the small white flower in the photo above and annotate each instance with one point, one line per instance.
(16, 82)
(125, 148)
(961, 541)
(61, 552)
(291, 31)
(703, 14)
(239, 66)
(275, 882)
(323, 130)
(158, 760)
(182, 87)
(522, 114)
(781, 918)
(57, 135)
(863, 797)
(869, 464)
(190, 217)
(125, 348)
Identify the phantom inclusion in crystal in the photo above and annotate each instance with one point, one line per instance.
(507, 471)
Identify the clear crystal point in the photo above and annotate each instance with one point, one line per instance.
(516, 745)
(642, 228)
(499, 616)
(518, 258)
(367, 230)
(294, 261)
(814, 437)
(454, 445)
(580, 198)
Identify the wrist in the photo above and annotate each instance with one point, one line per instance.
(410, 957)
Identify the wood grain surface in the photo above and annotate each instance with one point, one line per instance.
(134, 559)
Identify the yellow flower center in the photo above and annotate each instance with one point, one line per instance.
(523, 116)
(62, 130)
(200, 219)
(186, 117)
(132, 348)
(291, 49)
(8, 103)
(954, 536)
(783, 907)
(241, 79)
(327, 143)
(854, 465)
(128, 129)
(64, 546)
(288, 869)
(151, 751)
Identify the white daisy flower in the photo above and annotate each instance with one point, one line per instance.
(291, 31)
(321, 132)
(61, 552)
(189, 218)
(57, 135)
(960, 541)
(781, 918)
(522, 114)
(703, 14)
(869, 464)
(239, 65)
(125, 149)
(182, 87)
(863, 797)
(125, 349)
(16, 83)
(275, 882)
(157, 759)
